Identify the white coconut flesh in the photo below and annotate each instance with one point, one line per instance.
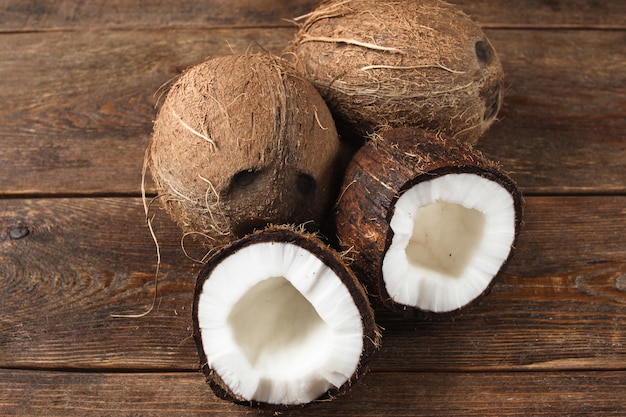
(451, 236)
(278, 325)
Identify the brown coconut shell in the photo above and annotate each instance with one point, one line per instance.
(378, 174)
(395, 63)
(331, 258)
(242, 141)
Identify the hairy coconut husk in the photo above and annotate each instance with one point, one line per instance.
(241, 141)
(378, 175)
(395, 63)
(315, 248)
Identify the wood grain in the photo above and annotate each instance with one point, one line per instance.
(81, 262)
(119, 14)
(80, 82)
(492, 394)
(546, 13)
(563, 113)
(91, 98)
(559, 305)
(124, 14)
(83, 124)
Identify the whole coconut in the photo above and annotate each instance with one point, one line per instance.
(394, 63)
(242, 141)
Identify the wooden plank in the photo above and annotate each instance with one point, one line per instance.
(153, 14)
(546, 13)
(563, 120)
(81, 262)
(24, 393)
(73, 103)
(560, 302)
(76, 110)
(57, 15)
(559, 305)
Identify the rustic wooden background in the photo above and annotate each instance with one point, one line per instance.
(78, 86)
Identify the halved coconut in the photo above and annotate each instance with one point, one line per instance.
(280, 321)
(431, 221)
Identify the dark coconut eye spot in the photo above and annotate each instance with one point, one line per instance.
(243, 178)
(483, 52)
(305, 183)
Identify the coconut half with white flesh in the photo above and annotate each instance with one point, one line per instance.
(280, 321)
(431, 221)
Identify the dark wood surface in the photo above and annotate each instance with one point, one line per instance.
(79, 84)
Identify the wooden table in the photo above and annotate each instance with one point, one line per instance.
(79, 82)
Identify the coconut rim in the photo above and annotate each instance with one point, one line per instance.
(489, 174)
(286, 234)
